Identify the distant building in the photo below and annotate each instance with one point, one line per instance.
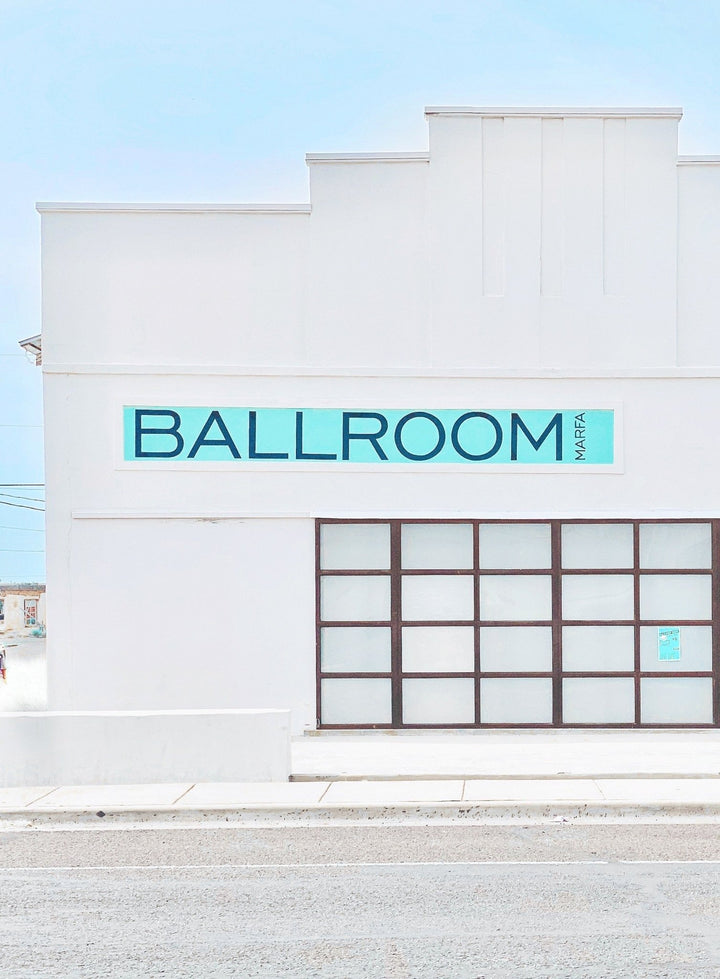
(33, 348)
(22, 608)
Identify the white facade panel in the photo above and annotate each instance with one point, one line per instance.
(698, 251)
(548, 259)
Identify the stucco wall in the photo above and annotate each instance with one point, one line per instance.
(528, 261)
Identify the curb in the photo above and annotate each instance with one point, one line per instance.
(279, 814)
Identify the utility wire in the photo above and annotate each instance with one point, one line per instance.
(18, 550)
(24, 530)
(22, 506)
(14, 496)
(21, 485)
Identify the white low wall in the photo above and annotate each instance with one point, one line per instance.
(115, 747)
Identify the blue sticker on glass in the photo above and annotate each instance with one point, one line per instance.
(668, 642)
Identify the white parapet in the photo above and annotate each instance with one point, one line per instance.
(115, 747)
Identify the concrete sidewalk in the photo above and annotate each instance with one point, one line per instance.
(483, 774)
(367, 793)
(507, 754)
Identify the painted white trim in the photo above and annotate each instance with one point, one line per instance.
(631, 513)
(381, 468)
(698, 160)
(290, 371)
(205, 515)
(50, 207)
(556, 112)
(411, 157)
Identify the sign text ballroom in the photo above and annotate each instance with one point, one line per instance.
(567, 437)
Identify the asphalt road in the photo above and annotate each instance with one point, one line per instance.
(392, 902)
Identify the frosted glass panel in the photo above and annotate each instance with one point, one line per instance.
(515, 598)
(515, 546)
(355, 650)
(676, 700)
(598, 648)
(355, 547)
(437, 546)
(675, 596)
(509, 649)
(695, 650)
(586, 545)
(355, 598)
(440, 597)
(675, 545)
(599, 700)
(347, 701)
(438, 649)
(439, 701)
(521, 701)
(597, 596)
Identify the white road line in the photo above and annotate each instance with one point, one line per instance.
(341, 865)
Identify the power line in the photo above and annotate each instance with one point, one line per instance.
(19, 550)
(20, 485)
(15, 496)
(19, 496)
(24, 530)
(22, 506)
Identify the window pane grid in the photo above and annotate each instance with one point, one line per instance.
(698, 595)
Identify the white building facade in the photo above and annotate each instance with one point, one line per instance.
(436, 449)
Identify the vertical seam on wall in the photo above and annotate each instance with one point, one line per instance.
(542, 209)
(603, 198)
(676, 341)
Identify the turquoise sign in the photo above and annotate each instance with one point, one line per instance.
(668, 642)
(571, 437)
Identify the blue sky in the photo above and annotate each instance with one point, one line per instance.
(219, 101)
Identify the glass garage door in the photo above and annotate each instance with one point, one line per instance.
(526, 623)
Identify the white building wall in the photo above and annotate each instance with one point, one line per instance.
(529, 261)
(143, 286)
(554, 238)
(368, 264)
(698, 250)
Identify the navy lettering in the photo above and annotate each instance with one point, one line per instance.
(412, 455)
(517, 424)
(299, 452)
(214, 418)
(372, 437)
(252, 442)
(173, 431)
(455, 436)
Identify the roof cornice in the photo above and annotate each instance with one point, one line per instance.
(546, 112)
